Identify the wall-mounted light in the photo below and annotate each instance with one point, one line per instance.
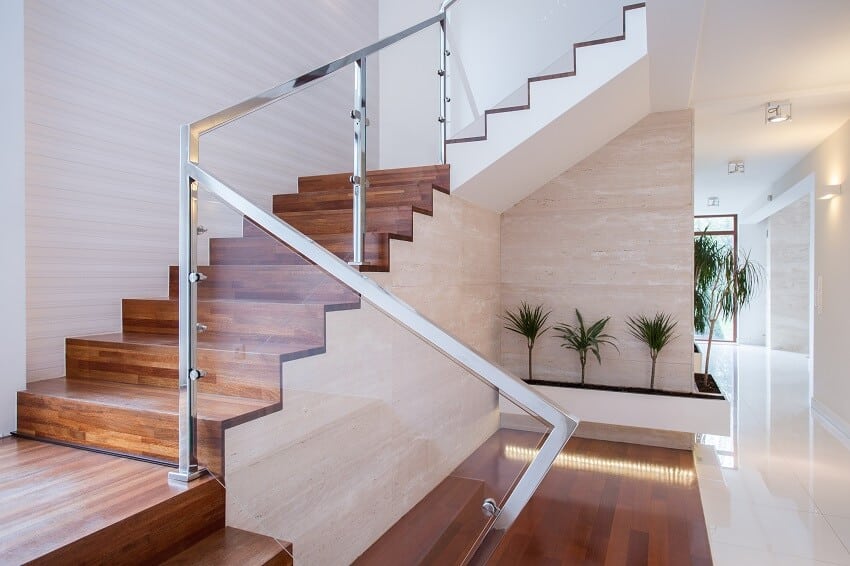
(713, 201)
(735, 168)
(826, 192)
(777, 112)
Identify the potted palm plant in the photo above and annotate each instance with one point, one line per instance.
(529, 322)
(655, 332)
(724, 283)
(585, 339)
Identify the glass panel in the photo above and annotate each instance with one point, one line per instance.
(497, 45)
(714, 223)
(346, 434)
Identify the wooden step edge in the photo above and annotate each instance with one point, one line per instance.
(231, 546)
(152, 535)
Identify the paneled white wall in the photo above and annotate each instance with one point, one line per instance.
(12, 282)
(107, 85)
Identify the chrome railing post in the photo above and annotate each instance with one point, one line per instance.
(359, 181)
(188, 373)
(444, 96)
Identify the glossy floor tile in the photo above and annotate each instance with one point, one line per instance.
(777, 491)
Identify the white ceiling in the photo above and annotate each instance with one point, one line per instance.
(745, 53)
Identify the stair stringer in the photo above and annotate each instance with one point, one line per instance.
(568, 119)
(366, 431)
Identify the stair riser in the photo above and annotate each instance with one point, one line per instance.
(237, 373)
(243, 251)
(437, 175)
(397, 220)
(121, 430)
(302, 284)
(420, 197)
(283, 320)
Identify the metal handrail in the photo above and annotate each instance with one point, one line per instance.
(292, 86)
(191, 175)
(513, 388)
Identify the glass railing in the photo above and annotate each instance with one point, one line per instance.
(349, 436)
(496, 46)
(345, 424)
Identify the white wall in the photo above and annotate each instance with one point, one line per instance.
(752, 321)
(12, 283)
(108, 84)
(830, 164)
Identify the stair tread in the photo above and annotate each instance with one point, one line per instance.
(144, 397)
(418, 195)
(230, 545)
(436, 174)
(255, 343)
(422, 531)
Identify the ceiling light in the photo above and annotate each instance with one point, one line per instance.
(827, 192)
(776, 112)
(713, 201)
(736, 167)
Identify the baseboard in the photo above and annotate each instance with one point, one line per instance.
(831, 421)
(609, 432)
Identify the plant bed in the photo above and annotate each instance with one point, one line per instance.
(707, 385)
(639, 390)
(635, 407)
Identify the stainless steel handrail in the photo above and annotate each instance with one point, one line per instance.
(191, 175)
(292, 86)
(513, 388)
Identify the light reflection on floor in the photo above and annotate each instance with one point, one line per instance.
(783, 495)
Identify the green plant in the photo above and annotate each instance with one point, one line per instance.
(528, 321)
(724, 283)
(655, 332)
(585, 339)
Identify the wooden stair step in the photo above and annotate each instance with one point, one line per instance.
(376, 251)
(269, 320)
(138, 420)
(246, 366)
(437, 530)
(420, 196)
(228, 546)
(395, 220)
(283, 283)
(59, 505)
(261, 249)
(437, 175)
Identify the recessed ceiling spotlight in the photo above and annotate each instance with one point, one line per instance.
(777, 112)
(713, 201)
(736, 168)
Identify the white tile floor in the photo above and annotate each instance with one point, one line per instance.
(782, 496)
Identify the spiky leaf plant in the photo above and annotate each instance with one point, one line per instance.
(655, 332)
(529, 322)
(585, 339)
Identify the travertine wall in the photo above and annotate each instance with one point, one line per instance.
(789, 265)
(611, 236)
(371, 426)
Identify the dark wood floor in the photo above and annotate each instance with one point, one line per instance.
(612, 504)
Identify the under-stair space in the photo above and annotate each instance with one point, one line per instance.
(566, 117)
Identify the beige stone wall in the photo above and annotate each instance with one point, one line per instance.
(450, 272)
(789, 266)
(611, 236)
(375, 423)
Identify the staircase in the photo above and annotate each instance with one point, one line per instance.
(566, 117)
(262, 305)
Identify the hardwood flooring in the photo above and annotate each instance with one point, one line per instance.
(611, 504)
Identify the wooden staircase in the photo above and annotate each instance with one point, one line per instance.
(262, 304)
